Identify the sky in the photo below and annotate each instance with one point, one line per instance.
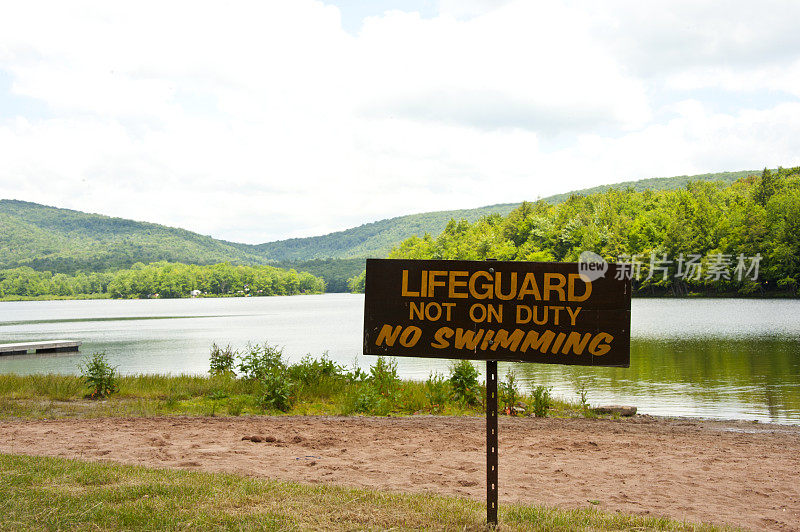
(254, 121)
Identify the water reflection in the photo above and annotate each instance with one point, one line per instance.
(707, 358)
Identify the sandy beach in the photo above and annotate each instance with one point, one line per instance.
(736, 473)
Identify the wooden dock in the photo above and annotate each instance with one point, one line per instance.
(48, 346)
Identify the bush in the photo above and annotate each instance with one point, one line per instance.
(383, 376)
(99, 376)
(541, 401)
(464, 381)
(437, 391)
(310, 371)
(276, 392)
(259, 361)
(508, 393)
(222, 360)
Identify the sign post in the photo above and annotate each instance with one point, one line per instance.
(492, 459)
(546, 312)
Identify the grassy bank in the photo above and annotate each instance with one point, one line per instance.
(258, 381)
(58, 396)
(58, 494)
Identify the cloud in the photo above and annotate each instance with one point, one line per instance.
(267, 120)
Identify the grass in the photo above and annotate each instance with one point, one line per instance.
(58, 494)
(59, 396)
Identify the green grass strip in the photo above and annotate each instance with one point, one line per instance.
(58, 494)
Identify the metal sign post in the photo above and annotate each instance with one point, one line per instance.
(491, 442)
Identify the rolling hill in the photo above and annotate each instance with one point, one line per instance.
(66, 241)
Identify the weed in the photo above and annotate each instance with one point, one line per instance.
(260, 360)
(464, 381)
(276, 391)
(509, 393)
(437, 391)
(222, 360)
(99, 376)
(383, 376)
(541, 401)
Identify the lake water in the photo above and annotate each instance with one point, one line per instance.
(714, 358)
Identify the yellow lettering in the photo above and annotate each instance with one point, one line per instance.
(551, 286)
(467, 339)
(536, 342)
(529, 286)
(520, 310)
(486, 287)
(456, 284)
(441, 338)
(388, 335)
(414, 332)
(512, 288)
(404, 286)
(573, 314)
(418, 309)
(576, 343)
(599, 350)
(559, 339)
(571, 290)
(506, 341)
(433, 283)
(487, 340)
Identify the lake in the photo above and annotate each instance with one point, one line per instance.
(713, 358)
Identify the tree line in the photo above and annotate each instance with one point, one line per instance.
(740, 238)
(161, 279)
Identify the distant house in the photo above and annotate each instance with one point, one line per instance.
(195, 293)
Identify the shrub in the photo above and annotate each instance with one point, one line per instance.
(365, 399)
(310, 371)
(276, 392)
(222, 360)
(464, 381)
(99, 376)
(383, 376)
(541, 401)
(260, 360)
(437, 391)
(508, 393)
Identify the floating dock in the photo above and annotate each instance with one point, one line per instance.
(48, 346)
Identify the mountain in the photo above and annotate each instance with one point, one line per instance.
(373, 239)
(376, 239)
(65, 241)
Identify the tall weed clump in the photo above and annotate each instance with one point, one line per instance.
(99, 376)
(464, 382)
(541, 401)
(509, 394)
(377, 394)
(222, 361)
(263, 364)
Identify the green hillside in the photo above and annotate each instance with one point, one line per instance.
(374, 239)
(378, 238)
(709, 238)
(65, 241)
(655, 183)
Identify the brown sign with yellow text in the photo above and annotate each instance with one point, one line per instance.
(512, 311)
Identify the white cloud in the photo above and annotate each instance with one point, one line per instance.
(266, 120)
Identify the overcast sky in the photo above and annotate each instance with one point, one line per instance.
(260, 120)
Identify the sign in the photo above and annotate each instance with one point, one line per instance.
(546, 312)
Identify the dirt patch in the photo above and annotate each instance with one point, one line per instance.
(717, 472)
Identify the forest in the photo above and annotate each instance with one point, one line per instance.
(160, 279)
(740, 238)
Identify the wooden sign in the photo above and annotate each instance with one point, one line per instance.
(491, 310)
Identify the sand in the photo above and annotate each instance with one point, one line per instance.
(736, 473)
